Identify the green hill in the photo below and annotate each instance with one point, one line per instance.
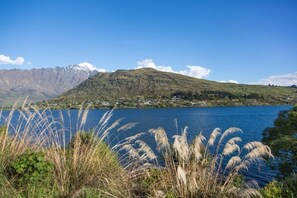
(152, 88)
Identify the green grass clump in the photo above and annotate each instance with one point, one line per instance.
(88, 165)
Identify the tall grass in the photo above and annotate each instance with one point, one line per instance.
(191, 170)
(88, 166)
(85, 166)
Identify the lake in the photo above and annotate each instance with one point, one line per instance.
(252, 120)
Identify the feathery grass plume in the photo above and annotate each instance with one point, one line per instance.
(180, 146)
(231, 146)
(127, 126)
(228, 132)
(127, 140)
(215, 133)
(146, 149)
(233, 161)
(181, 176)
(197, 146)
(192, 170)
(161, 139)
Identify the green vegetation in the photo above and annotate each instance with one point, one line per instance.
(151, 88)
(31, 173)
(36, 160)
(272, 190)
(282, 139)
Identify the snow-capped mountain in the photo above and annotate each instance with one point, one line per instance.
(42, 83)
(85, 66)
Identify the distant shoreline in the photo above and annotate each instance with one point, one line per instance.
(155, 107)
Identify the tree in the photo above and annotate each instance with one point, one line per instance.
(282, 139)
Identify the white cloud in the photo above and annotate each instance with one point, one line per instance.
(196, 71)
(192, 70)
(29, 63)
(6, 60)
(229, 81)
(149, 63)
(89, 66)
(282, 80)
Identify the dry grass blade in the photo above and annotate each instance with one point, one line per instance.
(127, 126)
(84, 119)
(133, 153)
(127, 140)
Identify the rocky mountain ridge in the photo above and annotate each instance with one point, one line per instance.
(40, 83)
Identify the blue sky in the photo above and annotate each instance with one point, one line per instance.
(247, 41)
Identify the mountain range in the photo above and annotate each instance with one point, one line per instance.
(151, 88)
(41, 83)
(69, 87)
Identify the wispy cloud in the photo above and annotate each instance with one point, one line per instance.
(229, 81)
(191, 70)
(196, 71)
(282, 80)
(29, 63)
(6, 60)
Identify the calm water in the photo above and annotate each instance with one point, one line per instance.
(252, 120)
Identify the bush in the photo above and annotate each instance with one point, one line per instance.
(31, 174)
(285, 188)
(272, 190)
(283, 142)
(31, 169)
(290, 186)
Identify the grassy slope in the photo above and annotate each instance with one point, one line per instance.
(152, 84)
(9, 98)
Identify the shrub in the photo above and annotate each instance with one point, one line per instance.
(272, 190)
(290, 186)
(283, 142)
(32, 173)
(284, 188)
(31, 169)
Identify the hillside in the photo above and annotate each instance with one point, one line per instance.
(39, 84)
(152, 88)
